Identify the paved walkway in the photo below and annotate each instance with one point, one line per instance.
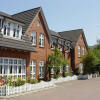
(73, 90)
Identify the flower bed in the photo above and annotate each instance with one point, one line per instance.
(10, 90)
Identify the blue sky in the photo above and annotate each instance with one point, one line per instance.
(62, 15)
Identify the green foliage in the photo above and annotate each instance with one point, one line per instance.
(98, 44)
(69, 74)
(12, 82)
(56, 76)
(56, 59)
(89, 61)
(33, 81)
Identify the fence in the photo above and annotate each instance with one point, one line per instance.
(8, 90)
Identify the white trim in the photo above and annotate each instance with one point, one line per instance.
(33, 68)
(20, 62)
(41, 40)
(79, 51)
(41, 69)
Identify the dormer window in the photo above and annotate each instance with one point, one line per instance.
(8, 29)
(0, 23)
(5, 29)
(16, 31)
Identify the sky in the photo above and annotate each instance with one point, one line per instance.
(63, 15)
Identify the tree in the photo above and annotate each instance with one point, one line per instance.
(98, 44)
(56, 60)
(89, 61)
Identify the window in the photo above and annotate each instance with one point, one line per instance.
(52, 70)
(41, 40)
(8, 29)
(79, 51)
(33, 38)
(5, 29)
(38, 23)
(83, 51)
(41, 69)
(33, 68)
(67, 68)
(16, 31)
(61, 69)
(0, 23)
(13, 66)
(52, 45)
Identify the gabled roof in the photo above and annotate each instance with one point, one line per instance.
(73, 35)
(23, 44)
(5, 14)
(53, 33)
(56, 34)
(28, 16)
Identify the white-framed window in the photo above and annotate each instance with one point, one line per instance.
(41, 69)
(79, 51)
(83, 49)
(61, 69)
(13, 67)
(16, 31)
(52, 70)
(41, 40)
(0, 23)
(67, 68)
(11, 30)
(38, 23)
(33, 68)
(33, 35)
(8, 29)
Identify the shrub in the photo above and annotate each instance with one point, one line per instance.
(56, 76)
(19, 82)
(33, 81)
(69, 74)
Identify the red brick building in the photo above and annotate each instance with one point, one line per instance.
(79, 48)
(25, 44)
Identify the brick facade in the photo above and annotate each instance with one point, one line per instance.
(42, 53)
(74, 53)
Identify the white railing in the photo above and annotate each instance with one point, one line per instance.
(9, 90)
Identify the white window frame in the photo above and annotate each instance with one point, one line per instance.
(61, 69)
(33, 35)
(83, 49)
(41, 40)
(52, 70)
(79, 51)
(33, 68)
(41, 69)
(1, 23)
(22, 63)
